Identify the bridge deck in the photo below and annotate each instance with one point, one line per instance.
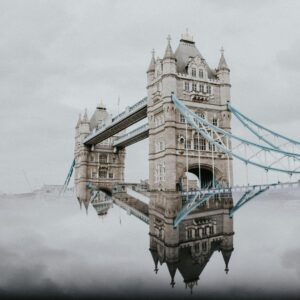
(132, 137)
(130, 116)
(245, 188)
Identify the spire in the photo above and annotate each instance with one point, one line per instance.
(79, 121)
(222, 63)
(151, 67)
(226, 256)
(169, 52)
(85, 118)
(172, 267)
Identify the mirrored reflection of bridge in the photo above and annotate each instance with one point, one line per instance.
(187, 119)
(186, 249)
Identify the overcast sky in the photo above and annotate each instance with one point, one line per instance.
(58, 57)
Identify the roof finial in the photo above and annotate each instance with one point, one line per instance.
(222, 50)
(153, 53)
(169, 38)
(169, 52)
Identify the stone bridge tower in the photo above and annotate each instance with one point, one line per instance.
(206, 92)
(97, 166)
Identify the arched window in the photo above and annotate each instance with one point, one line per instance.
(194, 86)
(193, 72)
(201, 73)
(186, 86)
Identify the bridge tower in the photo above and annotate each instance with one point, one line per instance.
(97, 166)
(204, 90)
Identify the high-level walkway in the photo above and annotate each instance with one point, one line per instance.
(132, 137)
(130, 116)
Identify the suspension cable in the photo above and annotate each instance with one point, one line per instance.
(186, 157)
(199, 160)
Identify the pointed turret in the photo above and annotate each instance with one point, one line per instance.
(169, 52)
(223, 74)
(169, 60)
(79, 121)
(155, 259)
(85, 118)
(151, 67)
(226, 253)
(222, 63)
(172, 267)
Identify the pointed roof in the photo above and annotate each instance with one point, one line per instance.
(155, 259)
(226, 253)
(151, 67)
(85, 118)
(79, 121)
(172, 267)
(222, 63)
(169, 52)
(187, 50)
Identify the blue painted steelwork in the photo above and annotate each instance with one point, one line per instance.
(248, 195)
(242, 118)
(193, 118)
(65, 186)
(196, 201)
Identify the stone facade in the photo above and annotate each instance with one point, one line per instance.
(203, 90)
(189, 247)
(97, 166)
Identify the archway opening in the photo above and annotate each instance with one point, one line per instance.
(206, 176)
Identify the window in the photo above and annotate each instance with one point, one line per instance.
(111, 175)
(201, 73)
(182, 118)
(201, 87)
(215, 121)
(160, 172)
(208, 89)
(212, 147)
(196, 144)
(193, 72)
(211, 230)
(204, 246)
(197, 233)
(188, 144)
(197, 247)
(103, 158)
(91, 157)
(194, 86)
(186, 86)
(190, 233)
(102, 173)
(202, 144)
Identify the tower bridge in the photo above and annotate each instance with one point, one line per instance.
(187, 113)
